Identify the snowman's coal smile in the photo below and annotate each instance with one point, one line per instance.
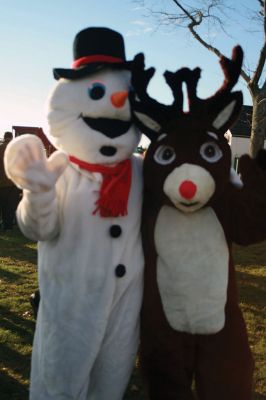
(111, 128)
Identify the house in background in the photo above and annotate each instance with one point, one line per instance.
(239, 135)
(33, 130)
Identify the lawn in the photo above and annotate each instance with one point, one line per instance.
(18, 280)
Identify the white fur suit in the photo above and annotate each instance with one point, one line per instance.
(90, 267)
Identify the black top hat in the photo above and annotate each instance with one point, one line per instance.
(93, 49)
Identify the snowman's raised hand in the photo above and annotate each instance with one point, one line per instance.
(27, 166)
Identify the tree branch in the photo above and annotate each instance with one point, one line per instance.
(184, 11)
(208, 46)
(264, 16)
(253, 84)
(263, 88)
(258, 71)
(211, 48)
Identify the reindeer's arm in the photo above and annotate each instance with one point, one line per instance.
(248, 205)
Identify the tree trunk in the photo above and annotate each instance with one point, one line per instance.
(258, 128)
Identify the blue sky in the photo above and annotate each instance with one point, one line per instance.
(37, 35)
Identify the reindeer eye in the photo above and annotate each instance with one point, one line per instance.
(211, 152)
(164, 155)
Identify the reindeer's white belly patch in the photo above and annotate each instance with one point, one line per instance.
(192, 269)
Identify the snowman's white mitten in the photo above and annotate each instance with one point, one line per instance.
(27, 166)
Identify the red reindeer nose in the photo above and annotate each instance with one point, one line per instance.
(187, 189)
(118, 99)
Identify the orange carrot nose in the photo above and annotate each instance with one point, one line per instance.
(118, 99)
(187, 189)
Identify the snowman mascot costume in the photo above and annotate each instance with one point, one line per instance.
(83, 206)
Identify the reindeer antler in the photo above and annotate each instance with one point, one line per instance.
(175, 80)
(231, 69)
(221, 109)
(148, 113)
(141, 77)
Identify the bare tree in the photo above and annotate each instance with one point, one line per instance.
(213, 12)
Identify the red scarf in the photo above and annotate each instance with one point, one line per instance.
(115, 187)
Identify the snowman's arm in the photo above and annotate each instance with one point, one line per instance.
(26, 164)
(37, 215)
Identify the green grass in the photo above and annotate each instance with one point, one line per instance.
(18, 280)
(251, 274)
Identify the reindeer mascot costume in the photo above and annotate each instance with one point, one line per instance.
(83, 205)
(191, 325)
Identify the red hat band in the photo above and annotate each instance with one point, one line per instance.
(96, 59)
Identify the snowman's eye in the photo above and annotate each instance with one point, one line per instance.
(96, 91)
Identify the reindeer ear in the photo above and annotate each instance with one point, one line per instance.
(146, 121)
(227, 111)
(146, 124)
(146, 115)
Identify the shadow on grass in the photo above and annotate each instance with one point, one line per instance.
(14, 323)
(14, 246)
(11, 277)
(16, 362)
(258, 396)
(11, 389)
(20, 253)
(15, 355)
(250, 255)
(252, 290)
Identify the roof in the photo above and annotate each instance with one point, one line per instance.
(242, 127)
(34, 130)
